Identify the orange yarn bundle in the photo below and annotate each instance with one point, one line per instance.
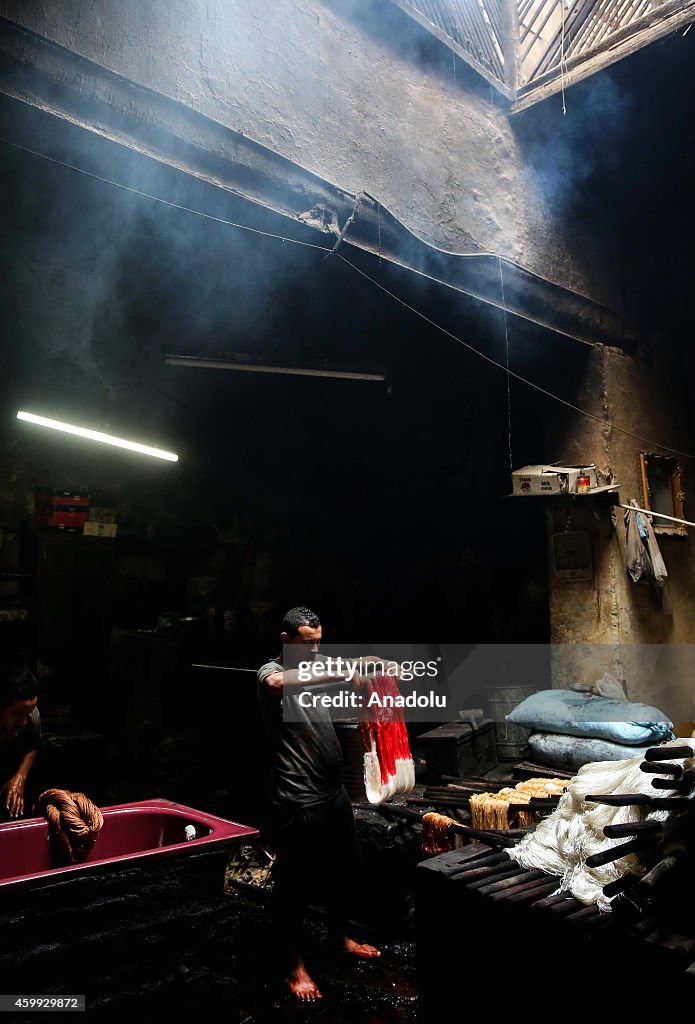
(74, 823)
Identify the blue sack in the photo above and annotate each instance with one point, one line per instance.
(573, 752)
(573, 714)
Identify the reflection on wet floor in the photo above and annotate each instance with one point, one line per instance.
(354, 991)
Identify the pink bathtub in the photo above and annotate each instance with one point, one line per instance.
(146, 910)
(148, 833)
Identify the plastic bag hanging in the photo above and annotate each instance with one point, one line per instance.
(638, 563)
(644, 563)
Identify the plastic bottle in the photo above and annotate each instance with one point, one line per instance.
(583, 482)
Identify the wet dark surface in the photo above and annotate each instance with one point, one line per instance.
(354, 991)
(169, 942)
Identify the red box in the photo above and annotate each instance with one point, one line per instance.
(79, 499)
(61, 509)
(65, 520)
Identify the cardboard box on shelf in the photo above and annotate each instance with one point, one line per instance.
(101, 514)
(100, 530)
(543, 479)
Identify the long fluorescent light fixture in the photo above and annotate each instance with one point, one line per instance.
(294, 371)
(97, 435)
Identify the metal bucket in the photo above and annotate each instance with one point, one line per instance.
(512, 740)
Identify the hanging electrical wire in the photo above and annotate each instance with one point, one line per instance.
(610, 424)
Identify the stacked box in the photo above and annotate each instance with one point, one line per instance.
(100, 514)
(91, 529)
(101, 522)
(62, 510)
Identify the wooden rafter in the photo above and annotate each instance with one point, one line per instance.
(473, 29)
(661, 20)
(528, 49)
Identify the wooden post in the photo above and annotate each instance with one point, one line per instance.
(510, 46)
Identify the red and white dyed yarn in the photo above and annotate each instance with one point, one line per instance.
(388, 763)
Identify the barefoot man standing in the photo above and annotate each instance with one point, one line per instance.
(317, 848)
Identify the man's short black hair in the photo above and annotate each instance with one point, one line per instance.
(17, 682)
(297, 617)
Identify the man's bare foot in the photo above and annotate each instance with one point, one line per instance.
(301, 985)
(360, 949)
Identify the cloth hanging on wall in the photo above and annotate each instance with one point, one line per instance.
(644, 562)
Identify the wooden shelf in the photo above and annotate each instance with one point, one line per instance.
(595, 492)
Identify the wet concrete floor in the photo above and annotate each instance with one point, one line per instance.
(354, 991)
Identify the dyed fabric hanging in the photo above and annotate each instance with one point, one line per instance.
(388, 763)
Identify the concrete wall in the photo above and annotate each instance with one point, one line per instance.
(354, 92)
(610, 623)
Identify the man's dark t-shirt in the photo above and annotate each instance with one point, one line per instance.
(15, 744)
(307, 758)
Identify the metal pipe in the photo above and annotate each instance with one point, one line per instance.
(528, 894)
(659, 871)
(485, 882)
(683, 785)
(482, 876)
(658, 753)
(665, 803)
(293, 371)
(513, 881)
(650, 512)
(596, 860)
(481, 863)
(633, 828)
(661, 768)
(491, 838)
(550, 901)
(621, 884)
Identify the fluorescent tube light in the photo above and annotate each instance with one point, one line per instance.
(97, 435)
(294, 371)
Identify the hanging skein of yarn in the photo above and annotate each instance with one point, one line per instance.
(74, 823)
(436, 837)
(387, 762)
(563, 842)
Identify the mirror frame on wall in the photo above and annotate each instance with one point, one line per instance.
(649, 464)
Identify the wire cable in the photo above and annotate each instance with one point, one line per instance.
(506, 361)
(330, 250)
(167, 202)
(512, 373)
(478, 254)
